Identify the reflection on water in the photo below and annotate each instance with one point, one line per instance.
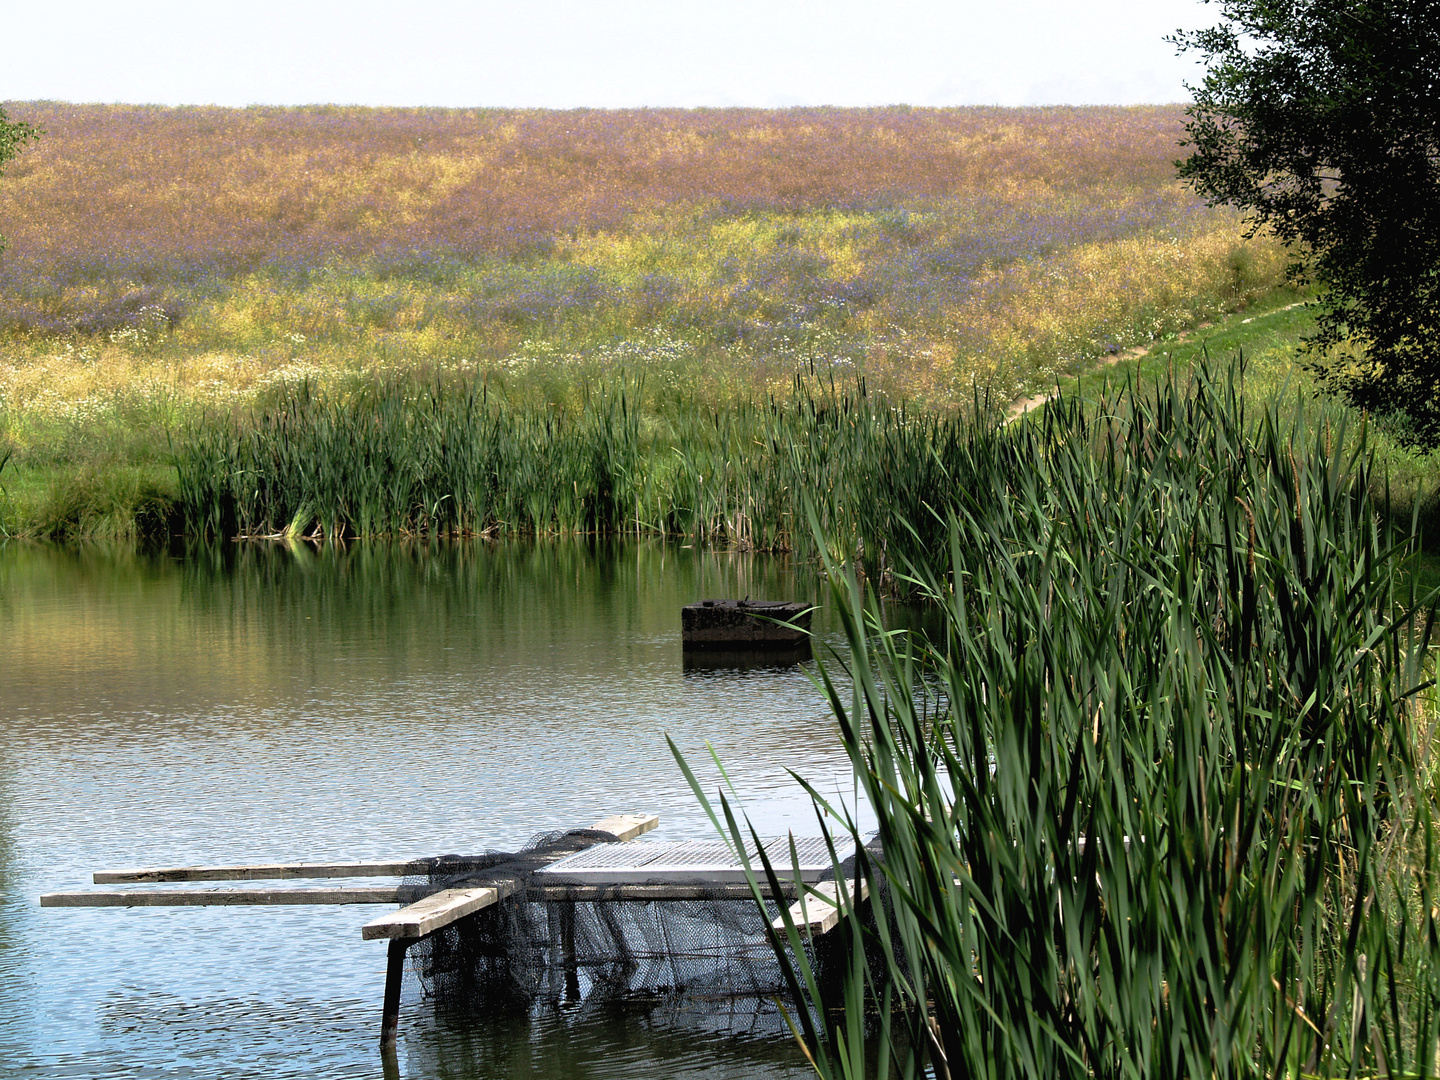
(727, 660)
(246, 703)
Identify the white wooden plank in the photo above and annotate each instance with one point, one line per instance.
(627, 826)
(436, 911)
(380, 894)
(820, 913)
(440, 910)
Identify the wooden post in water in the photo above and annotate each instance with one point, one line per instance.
(568, 954)
(394, 979)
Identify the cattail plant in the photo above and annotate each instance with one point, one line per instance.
(400, 456)
(1155, 800)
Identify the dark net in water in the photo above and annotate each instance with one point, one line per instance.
(704, 960)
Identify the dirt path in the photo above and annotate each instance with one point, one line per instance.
(1023, 406)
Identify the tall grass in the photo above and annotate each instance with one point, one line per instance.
(1158, 800)
(448, 457)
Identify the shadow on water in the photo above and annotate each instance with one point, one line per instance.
(618, 1039)
(712, 661)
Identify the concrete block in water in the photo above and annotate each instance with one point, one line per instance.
(744, 624)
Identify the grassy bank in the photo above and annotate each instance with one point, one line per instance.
(172, 264)
(1270, 334)
(1156, 799)
(464, 452)
(619, 451)
(933, 247)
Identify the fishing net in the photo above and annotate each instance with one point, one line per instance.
(703, 958)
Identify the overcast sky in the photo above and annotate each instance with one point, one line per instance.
(598, 53)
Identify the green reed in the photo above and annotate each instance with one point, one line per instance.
(397, 456)
(1156, 801)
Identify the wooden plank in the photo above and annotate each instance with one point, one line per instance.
(627, 826)
(621, 826)
(436, 911)
(819, 913)
(644, 894)
(379, 894)
(274, 871)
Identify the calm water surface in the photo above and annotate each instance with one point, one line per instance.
(256, 703)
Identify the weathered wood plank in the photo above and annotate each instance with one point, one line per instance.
(270, 871)
(627, 826)
(644, 894)
(394, 894)
(820, 913)
(621, 826)
(436, 911)
(379, 894)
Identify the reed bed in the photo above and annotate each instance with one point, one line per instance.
(1157, 800)
(450, 458)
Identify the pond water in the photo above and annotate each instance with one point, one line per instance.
(248, 703)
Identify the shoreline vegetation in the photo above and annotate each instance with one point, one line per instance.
(430, 454)
(1154, 791)
(175, 275)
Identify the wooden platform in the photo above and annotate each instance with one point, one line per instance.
(626, 870)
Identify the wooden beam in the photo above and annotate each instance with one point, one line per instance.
(275, 871)
(651, 891)
(627, 826)
(379, 894)
(394, 979)
(621, 826)
(400, 894)
(820, 912)
(436, 911)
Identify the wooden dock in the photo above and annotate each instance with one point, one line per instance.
(609, 865)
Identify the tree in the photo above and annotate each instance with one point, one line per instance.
(14, 134)
(1320, 119)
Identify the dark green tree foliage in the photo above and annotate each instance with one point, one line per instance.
(14, 134)
(1321, 120)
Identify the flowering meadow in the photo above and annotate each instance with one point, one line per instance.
(167, 264)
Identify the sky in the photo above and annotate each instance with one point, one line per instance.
(599, 53)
